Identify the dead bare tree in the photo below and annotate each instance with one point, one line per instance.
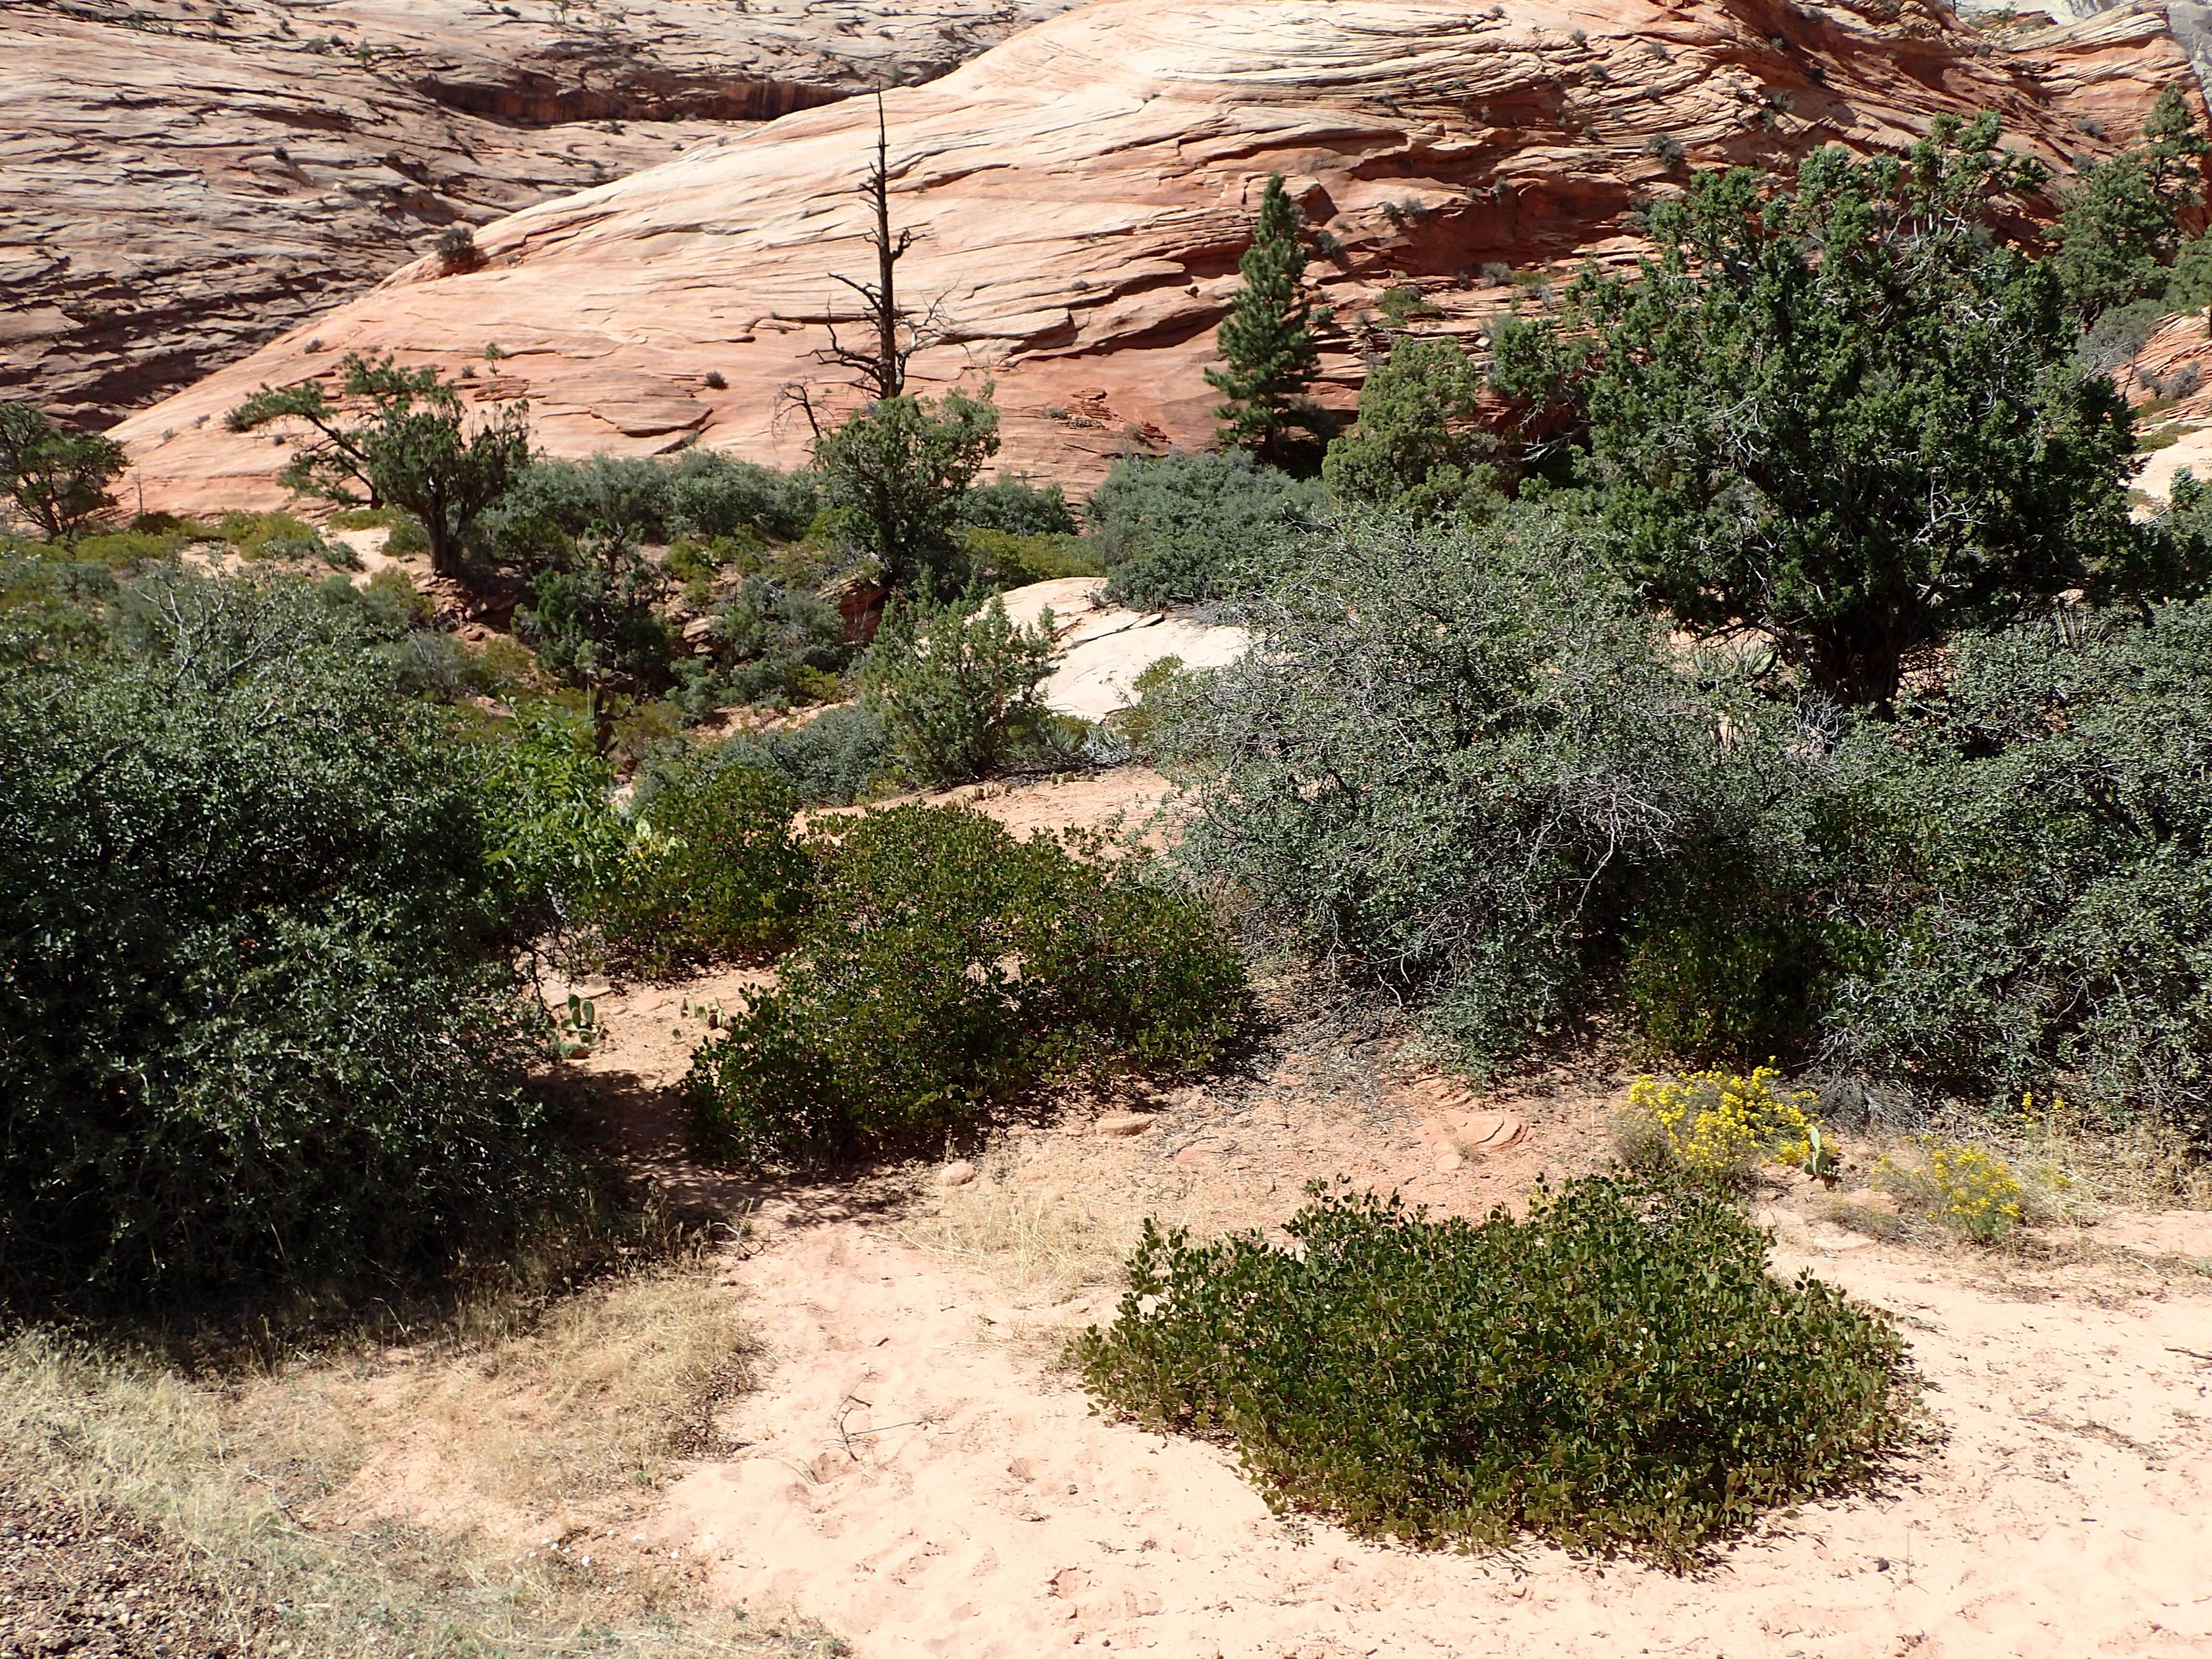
(899, 331)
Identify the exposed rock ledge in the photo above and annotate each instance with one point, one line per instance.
(1082, 191)
(178, 189)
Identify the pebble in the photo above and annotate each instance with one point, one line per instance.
(1125, 1123)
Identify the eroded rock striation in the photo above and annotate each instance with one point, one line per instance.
(184, 179)
(1080, 195)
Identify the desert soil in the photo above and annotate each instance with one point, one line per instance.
(919, 1471)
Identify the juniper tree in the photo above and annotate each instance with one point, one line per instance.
(2119, 226)
(1267, 345)
(58, 479)
(903, 466)
(1836, 415)
(411, 447)
(1416, 448)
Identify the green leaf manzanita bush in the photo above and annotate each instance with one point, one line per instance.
(1616, 1372)
(946, 968)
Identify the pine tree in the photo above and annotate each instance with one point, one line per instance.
(2119, 226)
(1267, 345)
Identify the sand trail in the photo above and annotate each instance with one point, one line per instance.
(919, 1475)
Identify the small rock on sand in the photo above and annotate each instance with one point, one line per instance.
(956, 1173)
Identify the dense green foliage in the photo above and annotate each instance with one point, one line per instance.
(1267, 341)
(2035, 870)
(1416, 448)
(597, 620)
(902, 469)
(711, 874)
(411, 447)
(834, 760)
(1191, 529)
(1617, 1372)
(2120, 222)
(699, 493)
(1016, 507)
(1838, 414)
(1464, 768)
(256, 1024)
(957, 687)
(948, 969)
(777, 640)
(56, 479)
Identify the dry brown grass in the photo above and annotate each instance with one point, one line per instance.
(2080, 1166)
(279, 1485)
(1051, 1222)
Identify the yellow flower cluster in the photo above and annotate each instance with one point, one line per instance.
(1967, 1187)
(1719, 1124)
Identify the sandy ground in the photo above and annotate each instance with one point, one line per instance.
(918, 1471)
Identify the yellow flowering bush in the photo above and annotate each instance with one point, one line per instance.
(1967, 1189)
(1716, 1124)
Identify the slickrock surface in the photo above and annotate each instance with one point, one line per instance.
(177, 189)
(1081, 193)
(1103, 648)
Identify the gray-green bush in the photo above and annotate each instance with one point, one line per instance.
(2033, 878)
(1191, 529)
(1450, 761)
(699, 492)
(834, 760)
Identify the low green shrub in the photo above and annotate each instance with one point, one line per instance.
(408, 534)
(712, 873)
(700, 493)
(1000, 559)
(947, 969)
(775, 642)
(1015, 506)
(1729, 954)
(958, 689)
(122, 548)
(277, 536)
(1616, 1372)
(834, 760)
(1190, 529)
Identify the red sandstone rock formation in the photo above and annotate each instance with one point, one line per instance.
(179, 188)
(1081, 194)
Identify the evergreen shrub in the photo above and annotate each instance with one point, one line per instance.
(1190, 529)
(258, 1023)
(1457, 759)
(1617, 1372)
(834, 760)
(712, 873)
(2030, 870)
(958, 690)
(948, 968)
